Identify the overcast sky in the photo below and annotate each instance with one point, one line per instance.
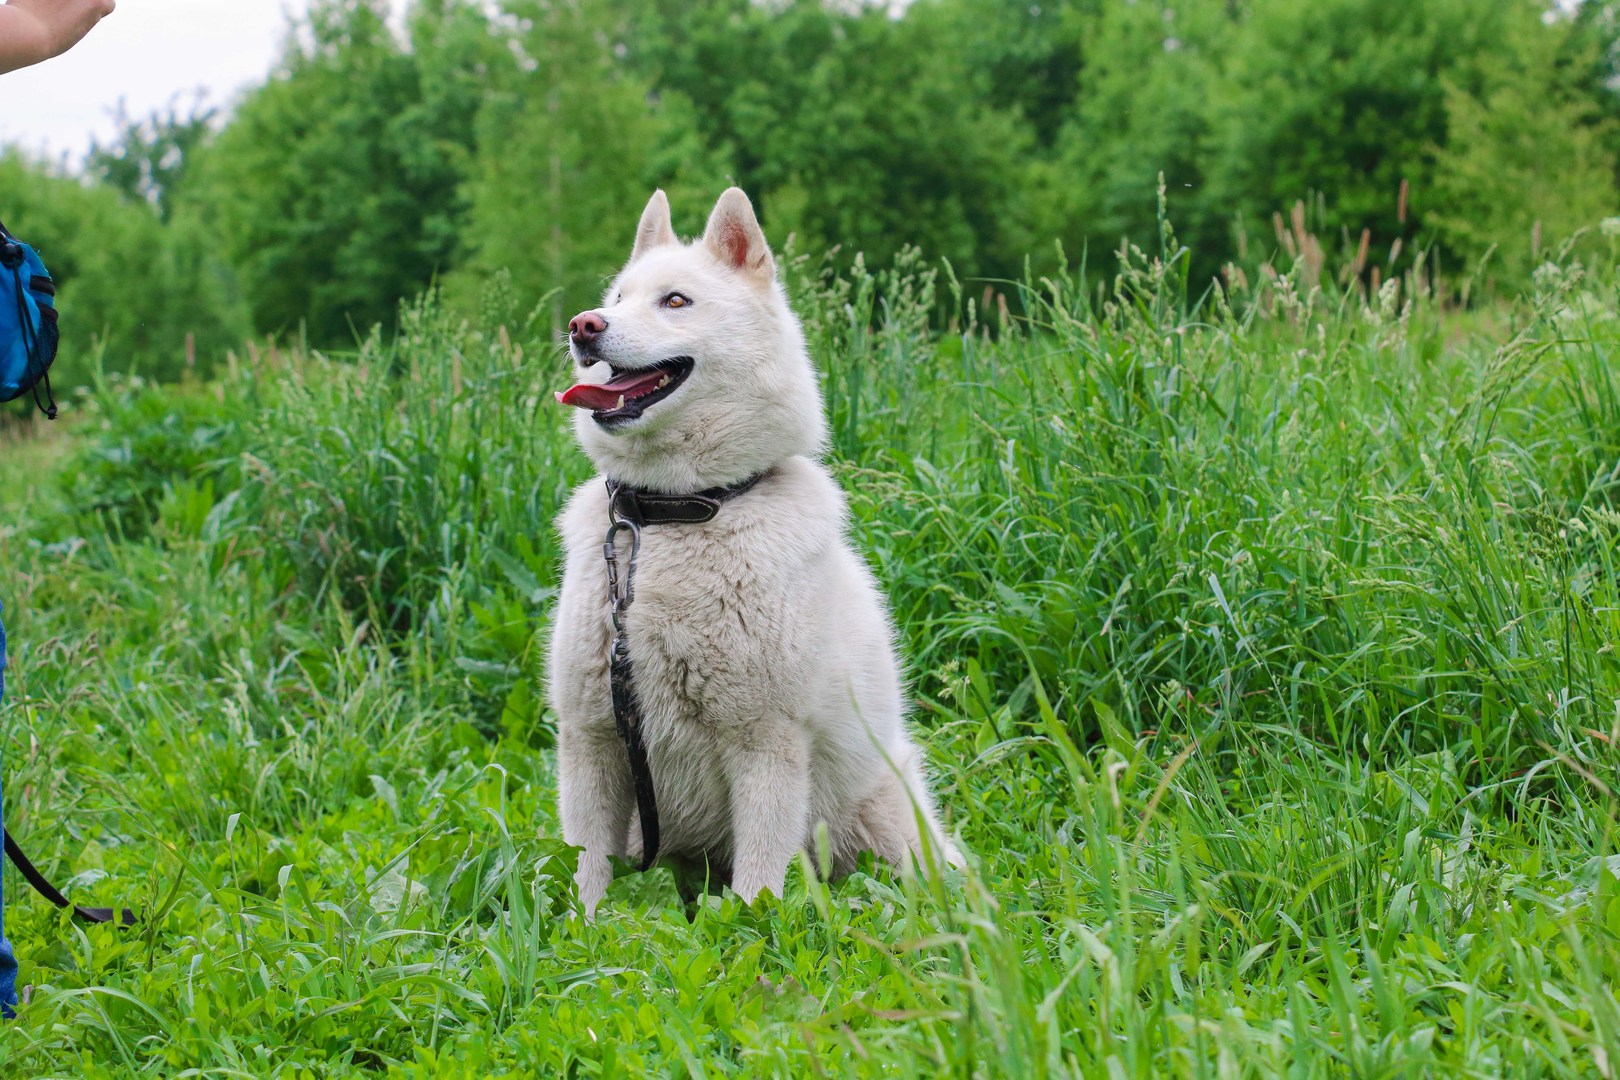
(145, 52)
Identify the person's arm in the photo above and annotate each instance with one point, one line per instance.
(35, 30)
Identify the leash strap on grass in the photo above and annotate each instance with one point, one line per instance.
(126, 917)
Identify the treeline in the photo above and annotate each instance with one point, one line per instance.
(501, 151)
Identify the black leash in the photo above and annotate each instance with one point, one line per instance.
(125, 917)
(629, 510)
(621, 682)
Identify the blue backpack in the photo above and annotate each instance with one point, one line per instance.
(28, 331)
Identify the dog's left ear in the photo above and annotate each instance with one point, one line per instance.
(734, 235)
(655, 229)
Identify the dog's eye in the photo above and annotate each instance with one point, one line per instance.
(675, 300)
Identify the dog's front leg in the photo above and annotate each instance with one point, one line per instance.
(770, 807)
(594, 800)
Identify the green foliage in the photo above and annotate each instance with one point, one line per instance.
(506, 147)
(1527, 162)
(1266, 655)
(145, 445)
(1031, 56)
(132, 289)
(151, 158)
(1375, 114)
(568, 143)
(1266, 651)
(334, 188)
(420, 460)
(852, 129)
(1346, 97)
(1143, 112)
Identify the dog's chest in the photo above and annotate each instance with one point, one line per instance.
(723, 624)
(708, 630)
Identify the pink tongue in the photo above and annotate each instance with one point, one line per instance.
(631, 384)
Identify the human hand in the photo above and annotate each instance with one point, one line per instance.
(35, 30)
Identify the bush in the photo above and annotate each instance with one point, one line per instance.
(135, 294)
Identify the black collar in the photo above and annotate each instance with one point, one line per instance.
(626, 503)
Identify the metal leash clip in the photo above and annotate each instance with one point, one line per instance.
(621, 592)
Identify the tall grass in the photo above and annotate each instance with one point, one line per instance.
(1264, 645)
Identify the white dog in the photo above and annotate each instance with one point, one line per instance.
(762, 653)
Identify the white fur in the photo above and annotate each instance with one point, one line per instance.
(764, 659)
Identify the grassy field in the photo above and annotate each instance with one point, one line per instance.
(1266, 657)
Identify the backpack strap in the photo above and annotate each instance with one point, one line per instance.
(126, 917)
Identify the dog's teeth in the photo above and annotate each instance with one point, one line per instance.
(663, 382)
(620, 405)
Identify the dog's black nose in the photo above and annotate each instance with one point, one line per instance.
(585, 326)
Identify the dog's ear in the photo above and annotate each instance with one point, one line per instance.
(734, 235)
(655, 229)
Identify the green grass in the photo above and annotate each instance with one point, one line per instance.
(1266, 655)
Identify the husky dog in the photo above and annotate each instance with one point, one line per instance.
(763, 657)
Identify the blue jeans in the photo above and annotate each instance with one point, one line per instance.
(8, 959)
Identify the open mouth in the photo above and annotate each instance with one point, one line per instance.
(630, 392)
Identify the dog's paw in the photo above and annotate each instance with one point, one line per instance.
(591, 882)
(750, 887)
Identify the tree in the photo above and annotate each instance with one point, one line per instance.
(151, 159)
(1346, 98)
(131, 288)
(851, 128)
(1030, 55)
(1143, 110)
(335, 187)
(571, 144)
(1528, 157)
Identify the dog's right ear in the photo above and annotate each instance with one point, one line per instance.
(655, 229)
(734, 235)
